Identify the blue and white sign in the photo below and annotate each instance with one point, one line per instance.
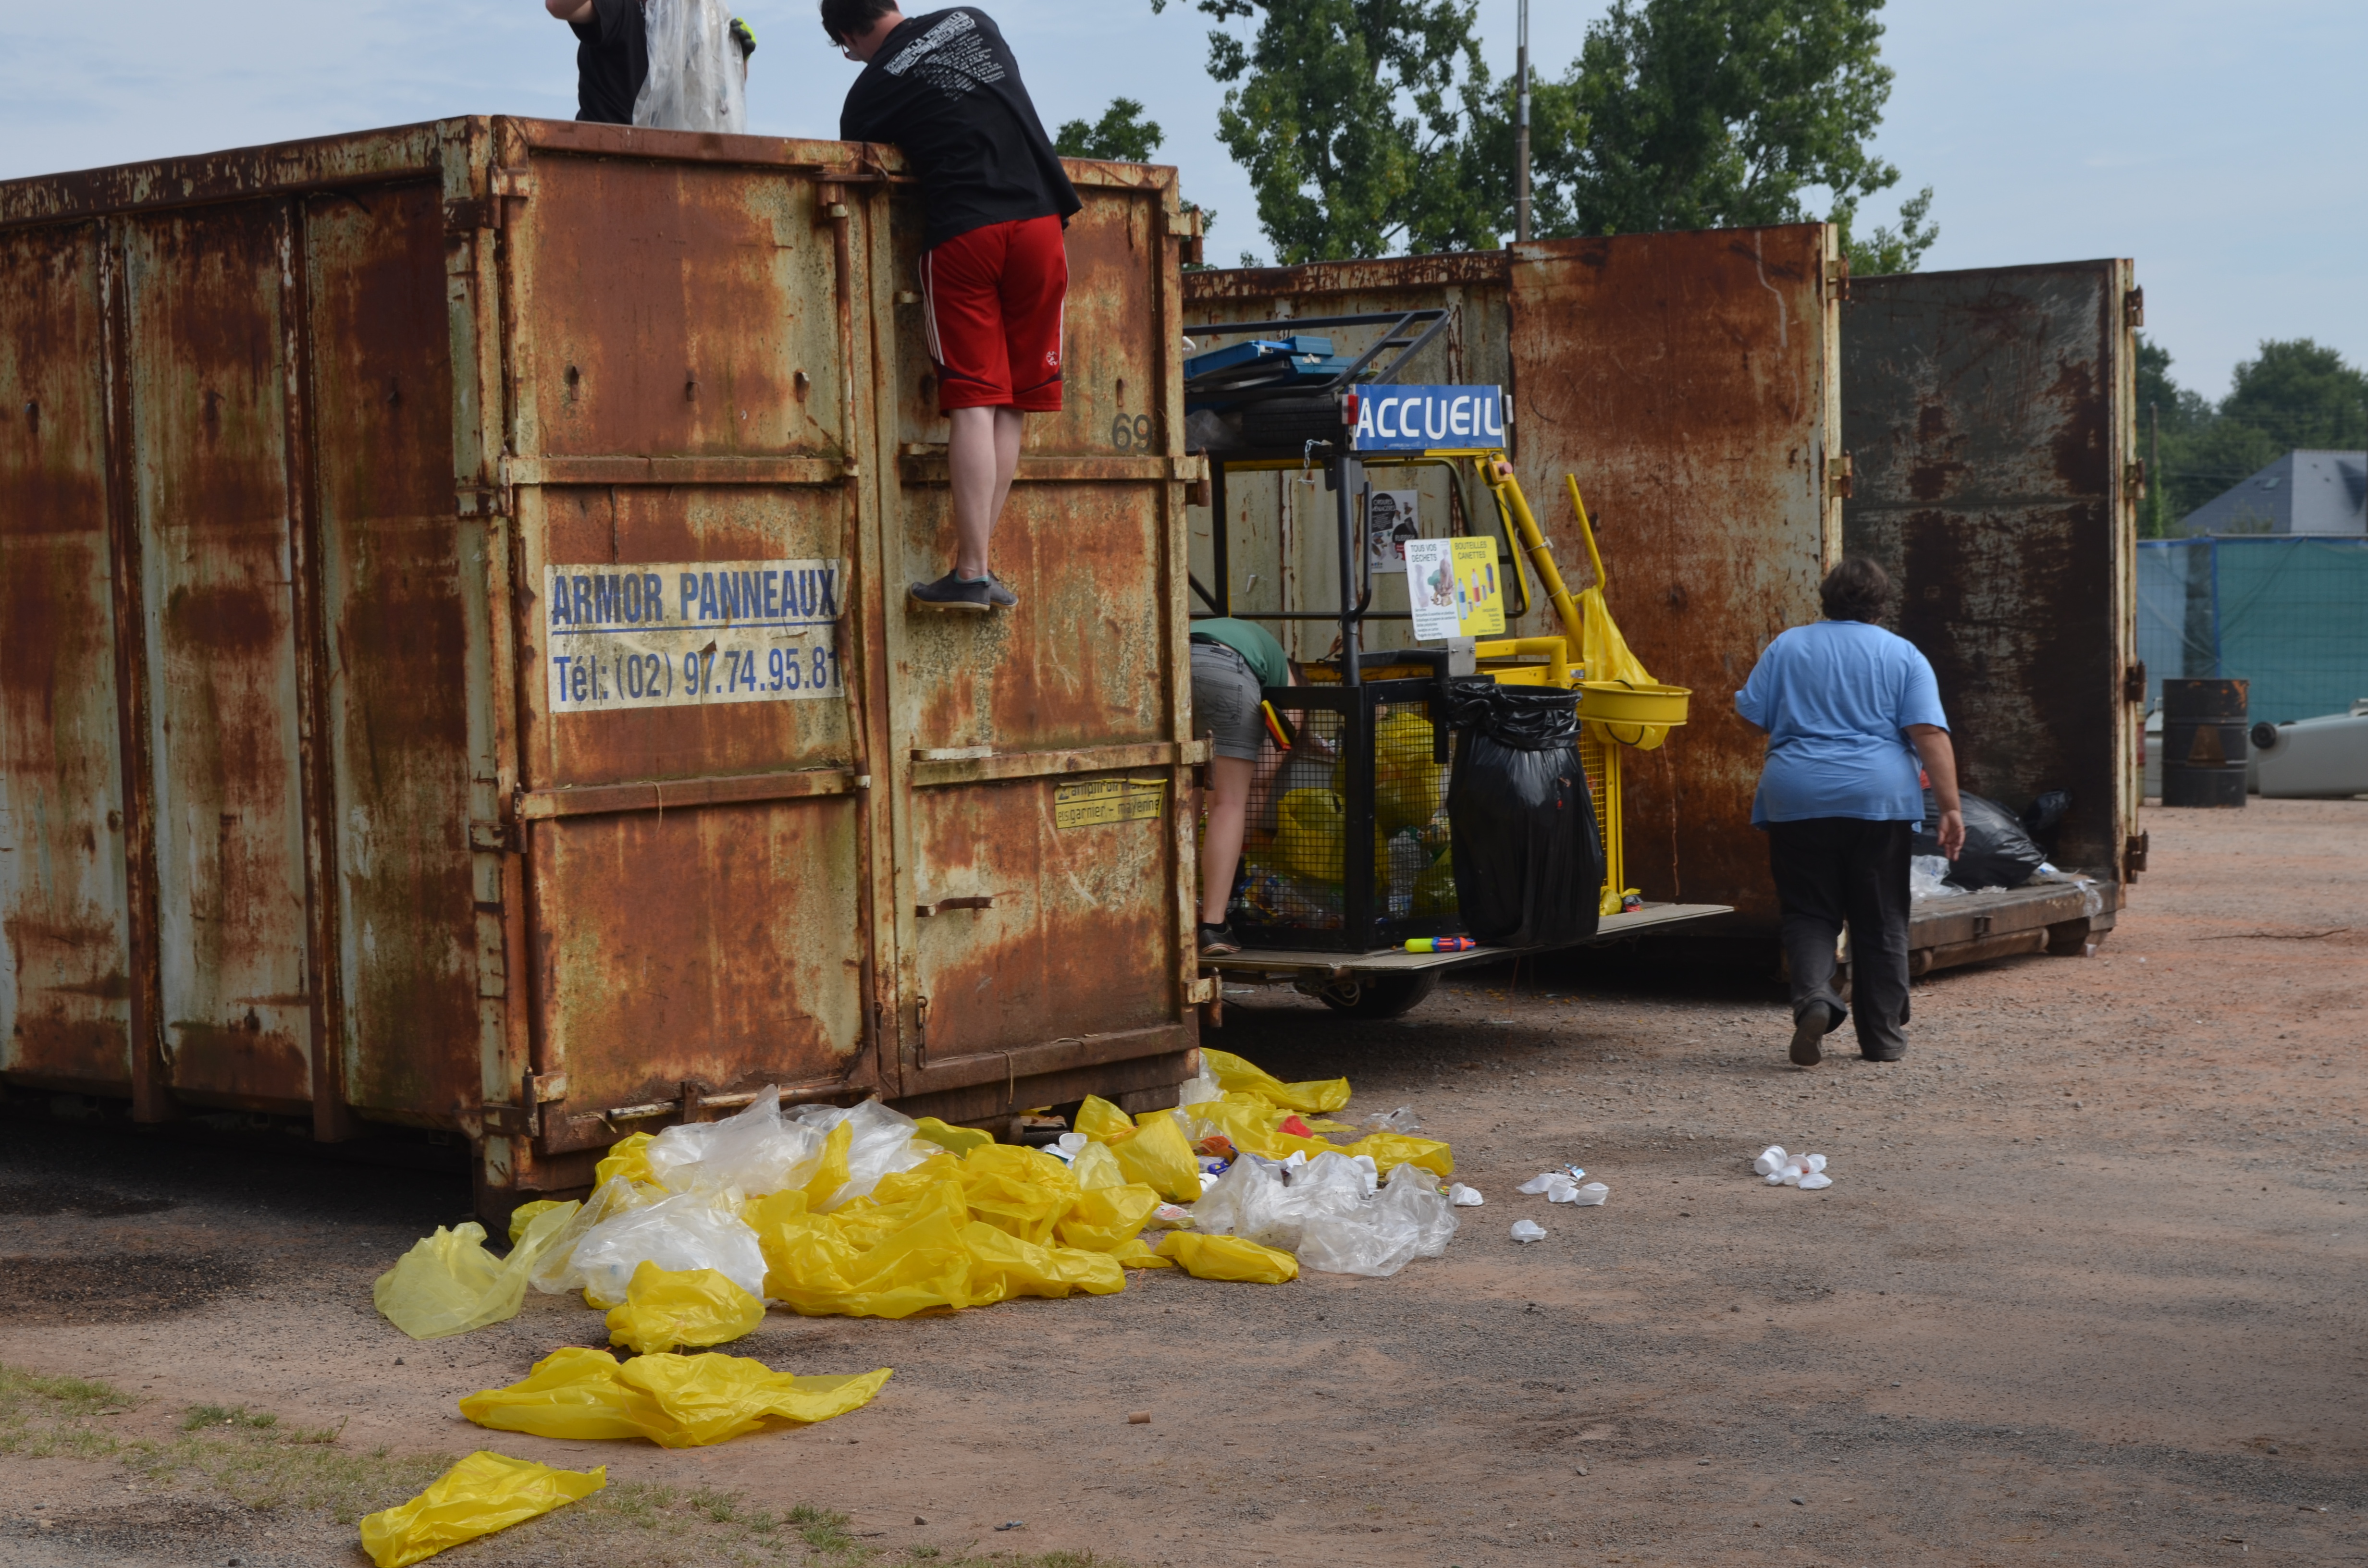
(1421, 419)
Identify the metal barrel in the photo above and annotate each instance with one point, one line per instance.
(2204, 743)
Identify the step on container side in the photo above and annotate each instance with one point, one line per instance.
(468, 683)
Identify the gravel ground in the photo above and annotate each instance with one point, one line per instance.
(2084, 1289)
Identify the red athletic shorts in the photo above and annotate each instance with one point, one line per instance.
(993, 300)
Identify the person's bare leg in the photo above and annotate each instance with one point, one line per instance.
(1221, 849)
(982, 455)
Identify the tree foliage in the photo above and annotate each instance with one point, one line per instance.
(2297, 393)
(1352, 118)
(1121, 135)
(1369, 126)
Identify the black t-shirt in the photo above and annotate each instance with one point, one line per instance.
(945, 88)
(613, 59)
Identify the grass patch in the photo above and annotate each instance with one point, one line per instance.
(250, 1457)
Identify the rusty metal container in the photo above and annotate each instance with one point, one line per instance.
(459, 673)
(1690, 382)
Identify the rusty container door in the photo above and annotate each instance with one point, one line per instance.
(1282, 537)
(1690, 382)
(1041, 892)
(1989, 416)
(691, 577)
(66, 989)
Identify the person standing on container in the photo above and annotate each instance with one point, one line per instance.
(994, 277)
(612, 54)
(1849, 710)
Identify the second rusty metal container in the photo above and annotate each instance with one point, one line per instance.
(458, 670)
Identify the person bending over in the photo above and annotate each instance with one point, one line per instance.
(1848, 708)
(945, 88)
(1231, 662)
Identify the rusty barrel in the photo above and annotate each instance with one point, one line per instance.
(2204, 743)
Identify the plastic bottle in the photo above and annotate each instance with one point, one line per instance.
(1407, 863)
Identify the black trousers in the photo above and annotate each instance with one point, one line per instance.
(1837, 872)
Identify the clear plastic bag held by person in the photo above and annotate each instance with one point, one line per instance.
(699, 75)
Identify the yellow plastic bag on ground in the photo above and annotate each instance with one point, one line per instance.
(1096, 1166)
(1105, 1219)
(1391, 1149)
(1104, 1122)
(1002, 1266)
(1159, 1157)
(677, 1402)
(485, 1493)
(1018, 1190)
(627, 1157)
(1234, 1075)
(449, 1283)
(525, 1214)
(882, 1261)
(955, 1140)
(1228, 1257)
(665, 1308)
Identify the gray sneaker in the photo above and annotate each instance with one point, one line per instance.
(1000, 593)
(950, 593)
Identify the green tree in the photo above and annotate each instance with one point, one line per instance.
(1121, 135)
(1697, 114)
(1354, 121)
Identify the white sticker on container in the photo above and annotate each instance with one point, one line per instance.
(674, 634)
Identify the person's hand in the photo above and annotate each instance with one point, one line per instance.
(1952, 834)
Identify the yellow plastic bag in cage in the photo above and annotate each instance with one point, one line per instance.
(1409, 787)
(1228, 1257)
(485, 1493)
(1313, 826)
(664, 1308)
(1236, 1075)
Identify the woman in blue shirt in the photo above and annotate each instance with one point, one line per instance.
(1850, 710)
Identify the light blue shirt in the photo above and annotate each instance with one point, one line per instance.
(1836, 698)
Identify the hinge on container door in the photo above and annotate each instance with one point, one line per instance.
(543, 1088)
(2134, 853)
(921, 1027)
(2133, 477)
(507, 1120)
(1199, 992)
(1838, 274)
(830, 204)
(1840, 478)
(497, 838)
(2133, 683)
(516, 184)
(2134, 307)
(1186, 228)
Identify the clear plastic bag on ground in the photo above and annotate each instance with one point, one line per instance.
(483, 1494)
(750, 1153)
(1329, 1213)
(882, 1143)
(1410, 1218)
(449, 1284)
(1228, 1257)
(666, 1311)
(679, 1233)
(616, 1194)
(698, 76)
(676, 1402)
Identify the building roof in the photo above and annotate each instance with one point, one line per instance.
(2304, 492)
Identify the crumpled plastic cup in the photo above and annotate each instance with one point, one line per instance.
(1772, 1160)
(1463, 1197)
(1590, 1195)
(1527, 1231)
(1546, 1181)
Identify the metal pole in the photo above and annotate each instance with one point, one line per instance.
(1522, 133)
(2154, 467)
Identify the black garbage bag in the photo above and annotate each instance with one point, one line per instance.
(1529, 867)
(1999, 853)
(2045, 815)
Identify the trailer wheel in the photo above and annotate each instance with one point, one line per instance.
(1379, 995)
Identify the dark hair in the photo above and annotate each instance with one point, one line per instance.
(1856, 590)
(845, 21)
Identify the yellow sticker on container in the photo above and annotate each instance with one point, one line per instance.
(1452, 586)
(1098, 801)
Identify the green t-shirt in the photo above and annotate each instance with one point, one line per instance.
(1254, 644)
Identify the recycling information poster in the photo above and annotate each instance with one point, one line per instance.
(1451, 584)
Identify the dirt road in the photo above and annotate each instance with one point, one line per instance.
(2086, 1289)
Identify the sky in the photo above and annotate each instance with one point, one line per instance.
(2218, 145)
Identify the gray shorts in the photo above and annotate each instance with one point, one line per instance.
(1225, 698)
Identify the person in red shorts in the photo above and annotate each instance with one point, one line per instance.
(994, 277)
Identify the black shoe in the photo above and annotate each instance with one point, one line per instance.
(953, 593)
(1885, 1053)
(999, 594)
(1809, 1032)
(1217, 941)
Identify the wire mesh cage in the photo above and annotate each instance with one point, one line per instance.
(1307, 816)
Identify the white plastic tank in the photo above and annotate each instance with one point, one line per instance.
(2324, 758)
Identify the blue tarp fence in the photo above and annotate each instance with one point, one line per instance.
(2287, 613)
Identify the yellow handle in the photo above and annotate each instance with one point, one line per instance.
(1498, 477)
(1585, 529)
